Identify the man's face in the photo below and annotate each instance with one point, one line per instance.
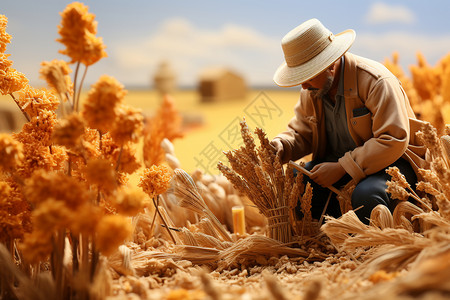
(320, 85)
(318, 82)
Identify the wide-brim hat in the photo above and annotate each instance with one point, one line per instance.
(309, 49)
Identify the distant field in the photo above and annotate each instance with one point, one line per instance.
(201, 146)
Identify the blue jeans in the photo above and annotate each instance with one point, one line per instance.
(369, 192)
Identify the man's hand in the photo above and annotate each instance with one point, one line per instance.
(277, 147)
(328, 173)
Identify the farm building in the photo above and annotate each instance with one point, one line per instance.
(217, 84)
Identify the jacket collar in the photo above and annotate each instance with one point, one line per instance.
(350, 76)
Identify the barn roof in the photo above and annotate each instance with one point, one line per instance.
(211, 73)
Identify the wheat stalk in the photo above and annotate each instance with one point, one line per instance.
(189, 197)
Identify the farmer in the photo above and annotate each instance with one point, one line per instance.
(353, 116)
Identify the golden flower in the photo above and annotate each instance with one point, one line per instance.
(56, 73)
(128, 124)
(5, 38)
(5, 64)
(34, 100)
(14, 212)
(91, 142)
(99, 108)
(37, 246)
(12, 81)
(101, 173)
(11, 153)
(39, 130)
(128, 159)
(155, 180)
(130, 201)
(129, 162)
(111, 232)
(36, 157)
(43, 185)
(10, 226)
(86, 218)
(69, 131)
(78, 28)
(51, 215)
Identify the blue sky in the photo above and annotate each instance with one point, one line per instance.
(242, 34)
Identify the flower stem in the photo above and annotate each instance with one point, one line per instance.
(155, 203)
(75, 87)
(119, 158)
(80, 88)
(24, 113)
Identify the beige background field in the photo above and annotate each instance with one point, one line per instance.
(214, 127)
(202, 146)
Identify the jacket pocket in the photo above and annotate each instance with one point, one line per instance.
(362, 126)
(360, 111)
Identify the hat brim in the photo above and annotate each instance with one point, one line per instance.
(292, 76)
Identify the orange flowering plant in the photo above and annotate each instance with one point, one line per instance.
(64, 177)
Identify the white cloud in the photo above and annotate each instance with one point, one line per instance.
(381, 46)
(189, 49)
(386, 13)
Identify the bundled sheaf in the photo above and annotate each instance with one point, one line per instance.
(257, 172)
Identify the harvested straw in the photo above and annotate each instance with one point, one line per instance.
(187, 237)
(256, 245)
(381, 217)
(189, 197)
(205, 240)
(338, 230)
(405, 210)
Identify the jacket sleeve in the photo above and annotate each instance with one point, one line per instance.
(386, 101)
(297, 139)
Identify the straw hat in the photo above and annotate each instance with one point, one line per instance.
(309, 49)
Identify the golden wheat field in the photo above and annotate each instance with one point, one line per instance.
(210, 122)
(113, 194)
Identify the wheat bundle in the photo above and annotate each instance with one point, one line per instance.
(259, 174)
(433, 218)
(257, 245)
(338, 230)
(381, 217)
(207, 227)
(205, 240)
(198, 255)
(390, 259)
(187, 237)
(189, 197)
(403, 213)
(373, 236)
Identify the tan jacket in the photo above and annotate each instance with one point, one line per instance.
(382, 135)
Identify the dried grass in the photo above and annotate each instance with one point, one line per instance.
(189, 197)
